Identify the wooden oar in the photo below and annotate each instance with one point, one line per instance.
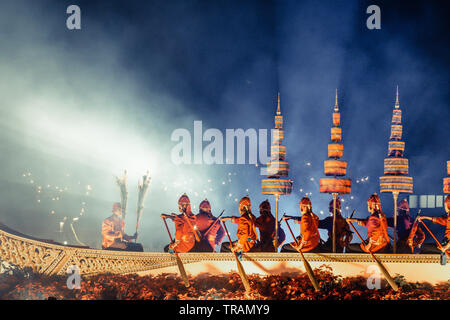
(386, 274)
(435, 239)
(241, 270)
(178, 259)
(308, 268)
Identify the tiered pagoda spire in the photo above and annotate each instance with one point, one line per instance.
(396, 167)
(335, 167)
(277, 182)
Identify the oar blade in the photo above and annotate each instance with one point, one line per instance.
(182, 271)
(243, 275)
(386, 274)
(308, 268)
(310, 273)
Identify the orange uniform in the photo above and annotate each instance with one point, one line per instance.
(112, 230)
(266, 226)
(416, 236)
(205, 223)
(184, 235)
(377, 234)
(215, 235)
(210, 229)
(309, 231)
(444, 221)
(246, 231)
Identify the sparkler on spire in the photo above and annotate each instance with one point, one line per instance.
(142, 187)
(123, 186)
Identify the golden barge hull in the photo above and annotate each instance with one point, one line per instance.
(49, 258)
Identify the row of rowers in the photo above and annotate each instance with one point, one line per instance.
(203, 232)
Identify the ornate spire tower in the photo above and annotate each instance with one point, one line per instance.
(396, 167)
(335, 167)
(277, 169)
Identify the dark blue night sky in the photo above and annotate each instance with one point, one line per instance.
(77, 107)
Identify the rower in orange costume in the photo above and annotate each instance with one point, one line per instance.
(114, 237)
(443, 221)
(416, 238)
(266, 225)
(376, 223)
(211, 231)
(343, 233)
(185, 228)
(309, 230)
(246, 232)
(409, 235)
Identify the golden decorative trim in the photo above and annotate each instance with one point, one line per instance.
(53, 259)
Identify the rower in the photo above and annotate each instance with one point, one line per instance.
(246, 231)
(410, 235)
(309, 230)
(416, 238)
(443, 221)
(211, 231)
(343, 233)
(184, 226)
(266, 225)
(114, 237)
(376, 223)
